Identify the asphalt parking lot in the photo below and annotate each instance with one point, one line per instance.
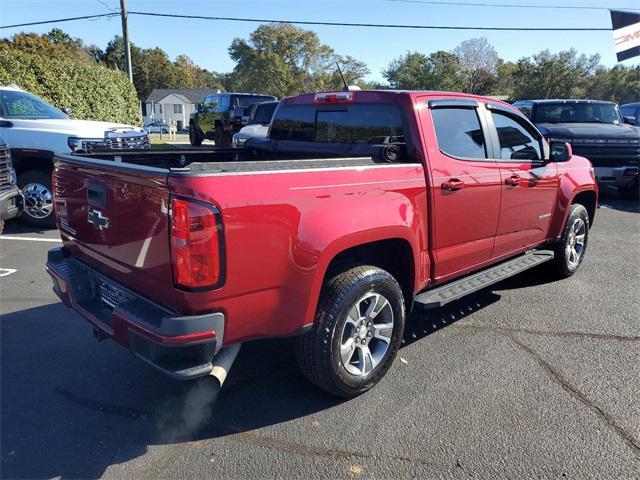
(529, 379)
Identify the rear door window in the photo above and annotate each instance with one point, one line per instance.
(459, 132)
(370, 124)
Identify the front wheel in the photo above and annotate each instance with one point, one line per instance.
(569, 251)
(38, 198)
(221, 138)
(358, 329)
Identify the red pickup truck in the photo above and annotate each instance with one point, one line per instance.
(357, 206)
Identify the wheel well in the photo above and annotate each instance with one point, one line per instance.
(393, 255)
(588, 200)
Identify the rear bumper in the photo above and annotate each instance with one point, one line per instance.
(10, 203)
(182, 347)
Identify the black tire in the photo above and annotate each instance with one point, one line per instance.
(37, 178)
(195, 137)
(318, 352)
(164, 130)
(631, 192)
(560, 266)
(222, 139)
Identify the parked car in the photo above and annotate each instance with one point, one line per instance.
(220, 116)
(35, 130)
(10, 196)
(359, 205)
(258, 124)
(598, 131)
(157, 127)
(631, 111)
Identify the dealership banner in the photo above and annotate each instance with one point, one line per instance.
(626, 34)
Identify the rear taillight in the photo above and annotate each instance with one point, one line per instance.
(196, 243)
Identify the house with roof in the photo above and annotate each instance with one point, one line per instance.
(173, 105)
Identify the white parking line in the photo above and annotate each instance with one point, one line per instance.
(7, 271)
(31, 239)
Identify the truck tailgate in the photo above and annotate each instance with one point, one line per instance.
(115, 219)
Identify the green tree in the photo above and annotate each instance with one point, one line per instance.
(416, 71)
(283, 60)
(546, 75)
(619, 84)
(54, 45)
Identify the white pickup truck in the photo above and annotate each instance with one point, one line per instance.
(35, 130)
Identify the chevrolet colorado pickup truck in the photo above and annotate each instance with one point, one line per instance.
(596, 130)
(357, 206)
(34, 130)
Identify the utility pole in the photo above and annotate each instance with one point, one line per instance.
(125, 38)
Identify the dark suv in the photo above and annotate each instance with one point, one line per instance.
(596, 130)
(220, 116)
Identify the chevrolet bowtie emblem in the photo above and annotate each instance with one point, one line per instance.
(96, 218)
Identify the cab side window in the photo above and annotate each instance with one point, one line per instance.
(225, 101)
(516, 141)
(459, 132)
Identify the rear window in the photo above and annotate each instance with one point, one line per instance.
(248, 100)
(371, 124)
(459, 133)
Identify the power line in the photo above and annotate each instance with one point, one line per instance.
(332, 24)
(60, 20)
(375, 25)
(507, 5)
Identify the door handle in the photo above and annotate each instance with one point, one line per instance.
(512, 181)
(6, 124)
(452, 185)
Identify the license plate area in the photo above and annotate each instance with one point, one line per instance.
(109, 294)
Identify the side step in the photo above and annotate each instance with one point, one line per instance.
(449, 292)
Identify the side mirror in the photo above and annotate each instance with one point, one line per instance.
(629, 119)
(198, 107)
(560, 152)
(66, 111)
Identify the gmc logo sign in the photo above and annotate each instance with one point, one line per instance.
(627, 37)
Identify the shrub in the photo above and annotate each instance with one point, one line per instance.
(90, 90)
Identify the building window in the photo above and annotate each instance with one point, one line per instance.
(177, 108)
(159, 108)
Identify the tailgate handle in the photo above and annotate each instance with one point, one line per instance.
(97, 194)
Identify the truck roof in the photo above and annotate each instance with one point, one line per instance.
(390, 95)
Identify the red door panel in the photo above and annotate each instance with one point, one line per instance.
(528, 200)
(464, 195)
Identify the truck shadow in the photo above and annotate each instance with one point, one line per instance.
(611, 199)
(72, 408)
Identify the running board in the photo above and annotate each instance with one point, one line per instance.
(440, 296)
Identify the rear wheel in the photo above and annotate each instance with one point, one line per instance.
(195, 138)
(569, 251)
(38, 198)
(358, 328)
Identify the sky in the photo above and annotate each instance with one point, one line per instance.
(207, 42)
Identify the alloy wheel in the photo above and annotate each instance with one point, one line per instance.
(366, 334)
